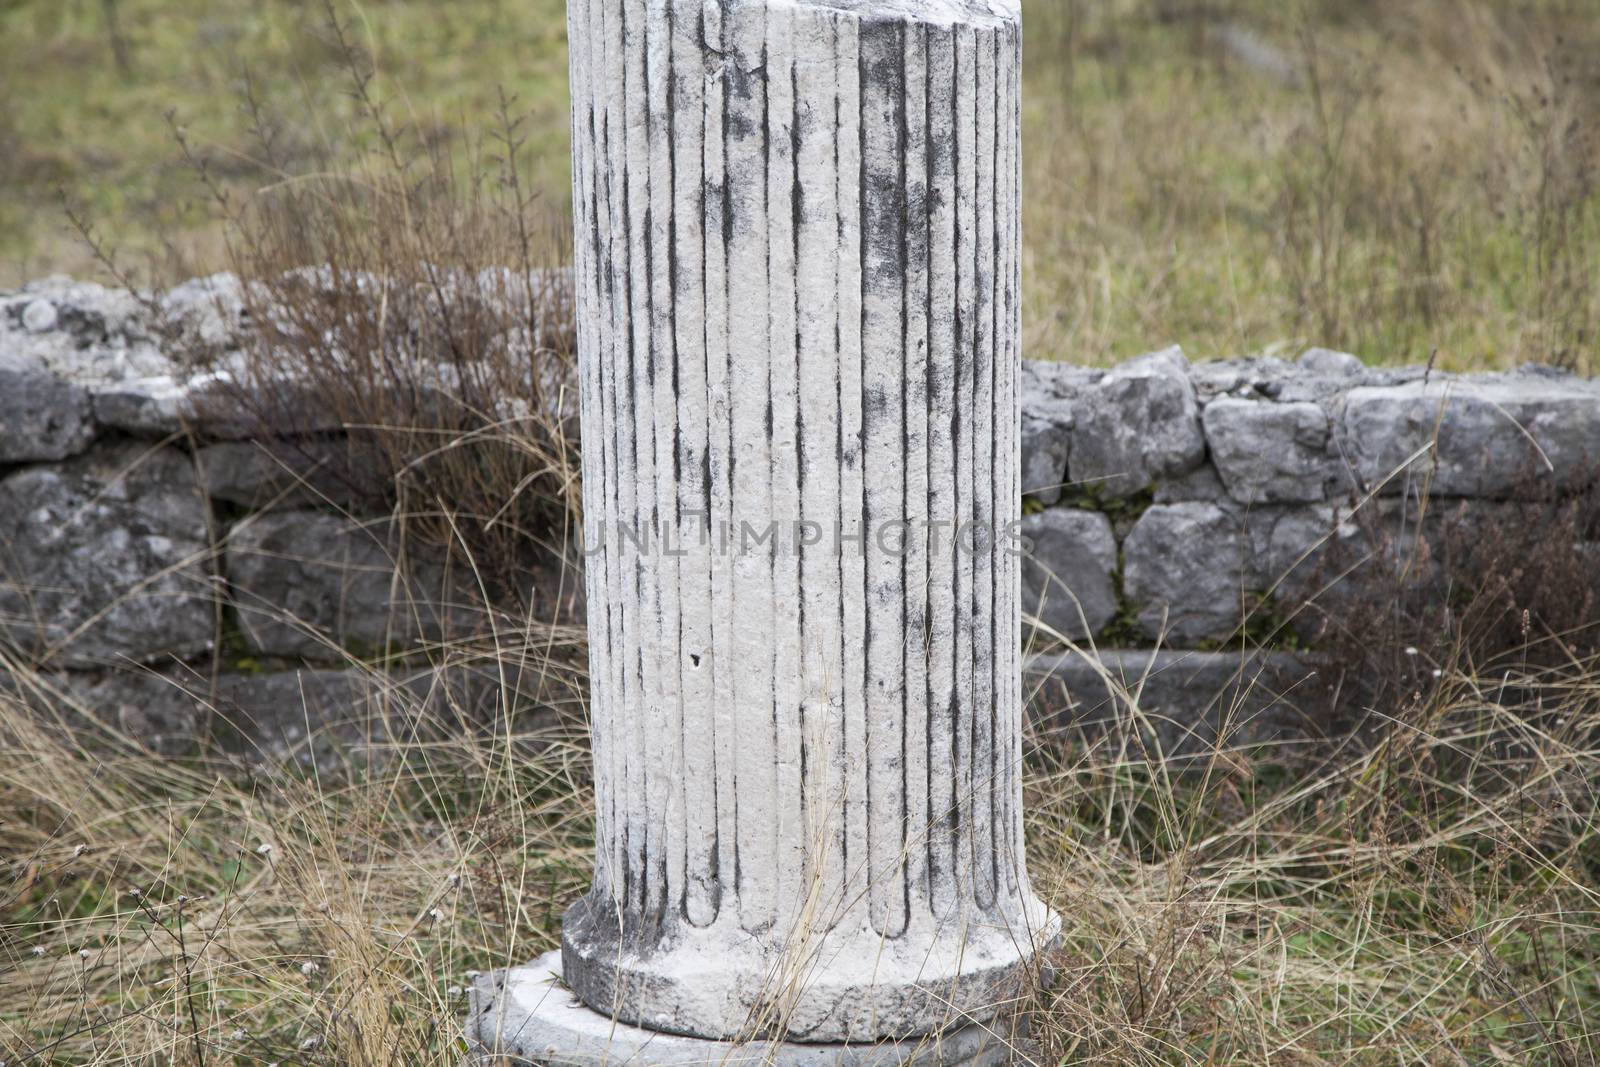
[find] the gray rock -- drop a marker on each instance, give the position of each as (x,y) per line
(1050,396)
(1046,441)
(102,559)
(39,316)
(1327,362)
(1068,578)
(1510,435)
(253,475)
(1201,483)
(1186,568)
(1270,453)
(205,317)
(1136,425)
(1188,702)
(120,708)
(42,415)
(319,586)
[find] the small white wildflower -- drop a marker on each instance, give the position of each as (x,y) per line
(83,953)
(1411,650)
(454,879)
(135,894)
(310,1043)
(263,849)
(454,991)
(1437,673)
(309,968)
(182,899)
(237,1035)
(436,915)
(79,850)
(38,950)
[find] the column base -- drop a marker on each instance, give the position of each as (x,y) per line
(526,1016)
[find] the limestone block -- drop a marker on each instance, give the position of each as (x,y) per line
(1050,394)
(1331,363)
(1515,434)
(1267,452)
(1201,483)
(319,586)
(1138,424)
(289,474)
(1188,702)
(104,559)
(1068,580)
(1187,568)
(42,415)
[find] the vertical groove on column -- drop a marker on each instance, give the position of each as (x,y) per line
(883,390)
(665,869)
(852,564)
(983,482)
(641,425)
(611,215)
(749,379)
(588,367)
(943,503)
(718,212)
(1014,133)
(695,666)
(783,404)
(914,451)
(817,428)
(964,423)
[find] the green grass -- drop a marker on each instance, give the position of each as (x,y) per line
(73,121)
(1424,187)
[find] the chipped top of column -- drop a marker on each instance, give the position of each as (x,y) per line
(978,13)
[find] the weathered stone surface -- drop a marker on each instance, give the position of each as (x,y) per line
(1138,424)
(1050,394)
(847,353)
(528,1016)
(1188,702)
(103,559)
(115,707)
(286,475)
(1186,567)
(42,415)
(1267,452)
(322,717)
(1517,434)
(1068,580)
(206,317)
(1201,483)
(1045,445)
(322,586)
(1331,363)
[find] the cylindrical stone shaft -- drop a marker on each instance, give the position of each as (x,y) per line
(798,254)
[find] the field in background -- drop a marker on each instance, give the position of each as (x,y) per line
(1402,178)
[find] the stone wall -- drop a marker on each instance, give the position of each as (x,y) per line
(1211,508)
(165,572)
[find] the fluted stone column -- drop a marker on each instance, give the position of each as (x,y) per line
(798,254)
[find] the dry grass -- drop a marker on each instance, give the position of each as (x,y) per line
(1430,894)
(1432,897)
